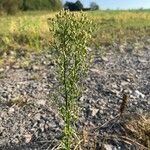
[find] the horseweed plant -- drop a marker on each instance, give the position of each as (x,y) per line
(71,31)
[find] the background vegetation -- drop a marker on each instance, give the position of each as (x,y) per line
(73,6)
(77,6)
(41,5)
(13,6)
(29,31)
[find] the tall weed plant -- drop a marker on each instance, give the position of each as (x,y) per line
(71,31)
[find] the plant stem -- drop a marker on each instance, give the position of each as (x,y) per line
(67,116)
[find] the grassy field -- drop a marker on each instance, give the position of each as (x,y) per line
(120,26)
(29,31)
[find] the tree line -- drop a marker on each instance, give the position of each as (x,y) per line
(79,6)
(12,6)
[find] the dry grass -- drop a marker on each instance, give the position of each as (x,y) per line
(138,128)
(135,132)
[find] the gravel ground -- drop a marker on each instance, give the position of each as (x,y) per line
(28,119)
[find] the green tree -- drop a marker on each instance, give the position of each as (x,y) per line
(1,7)
(11,6)
(94,6)
(77,6)
(24,5)
(69,6)
(41,5)
(56,4)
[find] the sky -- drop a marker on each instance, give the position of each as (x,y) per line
(117,4)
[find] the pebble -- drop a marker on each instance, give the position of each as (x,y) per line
(16,66)
(35,68)
(37,117)
(41,102)
(28,137)
(2,70)
(109,147)
(94,111)
(138,94)
(11,110)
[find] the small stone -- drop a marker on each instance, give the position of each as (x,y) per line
(148,40)
(139,94)
(115,92)
(61,123)
(15,140)
(52,125)
(48,56)
(101,111)
(121,48)
(94,111)
(82,98)
(140,111)
(1,129)
(89,49)
(142,60)
(3,115)
(35,68)
(104,58)
(108,147)
(12,53)
(11,110)
(37,116)
(16,66)
(41,102)
(41,126)
(4,55)
(124,83)
(7,67)
(135,103)
(132,97)
(2,70)
(129,80)
(28,138)
(145,47)
(129,49)
(22,129)
(114,86)
(44,63)
(95,71)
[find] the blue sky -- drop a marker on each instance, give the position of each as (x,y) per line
(115,4)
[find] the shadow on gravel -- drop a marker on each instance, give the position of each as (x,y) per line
(29,146)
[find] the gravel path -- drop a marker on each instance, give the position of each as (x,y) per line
(28,119)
